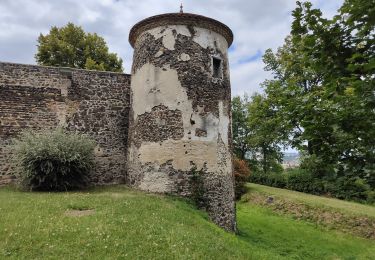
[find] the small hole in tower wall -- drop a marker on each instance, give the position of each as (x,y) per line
(216,67)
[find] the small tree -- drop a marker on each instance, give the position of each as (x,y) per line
(53,161)
(241,176)
(70,46)
(241,130)
(257,133)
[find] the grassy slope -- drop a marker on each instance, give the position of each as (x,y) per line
(341,205)
(131,224)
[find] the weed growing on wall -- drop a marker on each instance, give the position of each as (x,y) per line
(198,191)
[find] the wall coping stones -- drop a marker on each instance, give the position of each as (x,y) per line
(180,19)
(62,70)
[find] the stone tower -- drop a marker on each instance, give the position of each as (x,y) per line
(180,120)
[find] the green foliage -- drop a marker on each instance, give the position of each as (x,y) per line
(257,134)
(303,181)
(323,87)
(269,179)
(128,224)
(197,188)
(328,213)
(267,133)
(343,206)
(54,161)
(298,179)
(321,102)
(351,188)
(240,128)
(70,46)
(241,176)
(317,167)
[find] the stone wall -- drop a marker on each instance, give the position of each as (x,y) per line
(185,108)
(155,130)
(91,102)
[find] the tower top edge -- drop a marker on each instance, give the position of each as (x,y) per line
(180,19)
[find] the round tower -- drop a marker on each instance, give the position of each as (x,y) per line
(180,123)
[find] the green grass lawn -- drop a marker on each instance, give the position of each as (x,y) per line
(127,224)
(341,205)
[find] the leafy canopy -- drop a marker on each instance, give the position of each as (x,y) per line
(70,46)
(257,133)
(321,98)
(323,88)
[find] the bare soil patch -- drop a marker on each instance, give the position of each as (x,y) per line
(79,213)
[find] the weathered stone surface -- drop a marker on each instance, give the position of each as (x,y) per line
(156,131)
(173,71)
(187,19)
(158,125)
(91,102)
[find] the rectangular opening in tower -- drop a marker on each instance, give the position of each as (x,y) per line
(216,65)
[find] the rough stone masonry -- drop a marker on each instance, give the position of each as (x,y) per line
(155,129)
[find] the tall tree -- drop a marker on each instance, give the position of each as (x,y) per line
(241,130)
(257,134)
(266,134)
(323,87)
(70,46)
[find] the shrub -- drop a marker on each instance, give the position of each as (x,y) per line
(351,188)
(53,160)
(346,187)
(301,180)
(241,176)
(317,166)
(370,196)
(277,180)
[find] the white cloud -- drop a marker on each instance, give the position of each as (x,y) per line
(257,25)
(247,78)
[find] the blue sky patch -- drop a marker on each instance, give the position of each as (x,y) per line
(257,56)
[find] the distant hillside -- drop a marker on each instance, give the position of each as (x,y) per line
(291,160)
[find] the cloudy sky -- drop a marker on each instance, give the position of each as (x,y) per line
(256,24)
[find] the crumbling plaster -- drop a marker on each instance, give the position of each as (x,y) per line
(172,72)
(152,86)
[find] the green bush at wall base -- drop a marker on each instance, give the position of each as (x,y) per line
(198,190)
(53,160)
